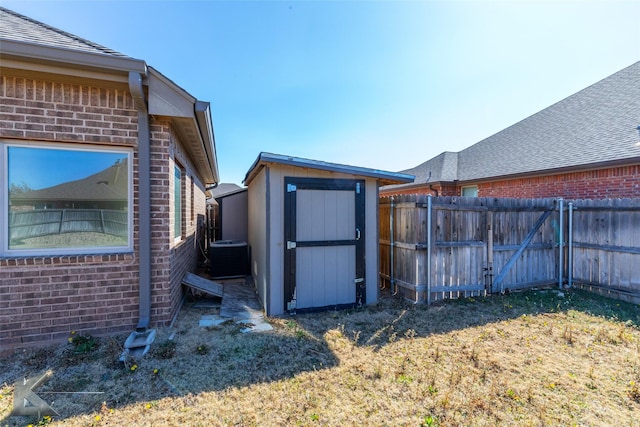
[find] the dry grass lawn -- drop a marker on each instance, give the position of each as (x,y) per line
(537,358)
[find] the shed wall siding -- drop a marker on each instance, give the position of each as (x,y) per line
(257,222)
(371,248)
(234,217)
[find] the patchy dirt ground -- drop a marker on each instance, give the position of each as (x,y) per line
(533,358)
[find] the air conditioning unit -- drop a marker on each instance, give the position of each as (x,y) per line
(229,258)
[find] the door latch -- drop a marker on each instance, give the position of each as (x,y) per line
(291,245)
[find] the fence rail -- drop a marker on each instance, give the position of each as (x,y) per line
(432,248)
(37,223)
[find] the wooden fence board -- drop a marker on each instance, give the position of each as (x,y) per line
(472,239)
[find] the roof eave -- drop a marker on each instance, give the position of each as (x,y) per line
(203,116)
(383,177)
(69,57)
(190,115)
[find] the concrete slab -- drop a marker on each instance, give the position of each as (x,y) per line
(211,320)
(255,325)
(240,300)
(240,303)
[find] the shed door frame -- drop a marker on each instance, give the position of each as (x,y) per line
(291,185)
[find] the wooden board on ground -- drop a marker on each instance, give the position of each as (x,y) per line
(203,285)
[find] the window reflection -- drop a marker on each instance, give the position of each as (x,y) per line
(60,198)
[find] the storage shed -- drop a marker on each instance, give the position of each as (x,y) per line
(230,212)
(313,232)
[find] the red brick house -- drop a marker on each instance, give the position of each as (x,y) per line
(105,169)
(586,146)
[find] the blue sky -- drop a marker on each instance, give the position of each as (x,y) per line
(385,85)
(32,166)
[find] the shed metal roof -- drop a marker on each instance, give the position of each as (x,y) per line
(384,177)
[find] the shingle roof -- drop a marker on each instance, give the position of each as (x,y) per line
(596,125)
(224,189)
(20,28)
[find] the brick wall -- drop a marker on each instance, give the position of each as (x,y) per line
(186,253)
(612,183)
(44,298)
(51,111)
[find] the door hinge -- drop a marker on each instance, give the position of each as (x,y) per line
(291,188)
(357,187)
(358,280)
(291,245)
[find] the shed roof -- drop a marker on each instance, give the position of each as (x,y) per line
(384,177)
(594,127)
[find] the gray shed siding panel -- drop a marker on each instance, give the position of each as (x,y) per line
(234,215)
(270,282)
(257,223)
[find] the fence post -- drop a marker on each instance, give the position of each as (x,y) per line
(570,248)
(560,242)
(391,250)
(489,269)
(61,221)
(429,209)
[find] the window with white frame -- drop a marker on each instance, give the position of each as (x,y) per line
(61,199)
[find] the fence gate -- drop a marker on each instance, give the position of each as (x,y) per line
(448,247)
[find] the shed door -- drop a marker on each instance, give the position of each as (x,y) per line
(324,243)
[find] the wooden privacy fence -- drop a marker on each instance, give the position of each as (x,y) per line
(44,222)
(605,247)
(432,248)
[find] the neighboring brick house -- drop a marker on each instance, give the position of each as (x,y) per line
(76,114)
(586,146)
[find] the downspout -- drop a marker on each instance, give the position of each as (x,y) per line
(144,201)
